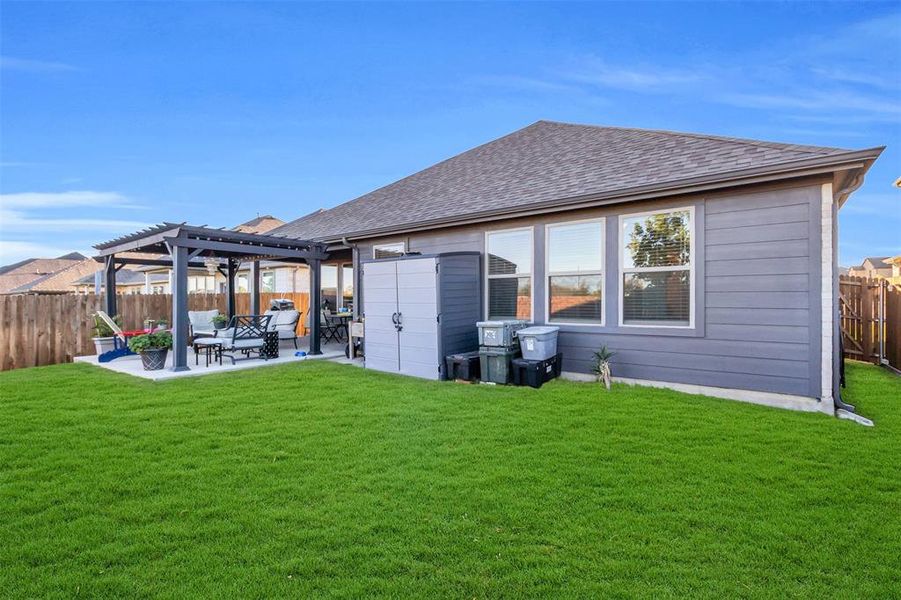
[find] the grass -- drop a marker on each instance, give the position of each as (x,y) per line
(317,479)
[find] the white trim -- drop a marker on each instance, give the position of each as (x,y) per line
(827,403)
(772,399)
(389,246)
(531,273)
(692,258)
(602,221)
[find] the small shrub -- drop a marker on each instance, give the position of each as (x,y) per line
(220,320)
(601,367)
(101,329)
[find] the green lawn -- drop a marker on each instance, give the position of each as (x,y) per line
(318,479)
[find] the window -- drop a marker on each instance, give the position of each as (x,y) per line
(509,289)
(575,272)
(347,281)
(389,250)
(329,289)
(267,281)
(657,269)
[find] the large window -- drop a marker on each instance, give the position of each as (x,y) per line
(657,262)
(389,250)
(329,289)
(509,274)
(575,272)
(347,282)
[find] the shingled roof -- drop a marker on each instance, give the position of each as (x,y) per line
(549,163)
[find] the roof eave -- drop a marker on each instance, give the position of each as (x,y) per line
(859,159)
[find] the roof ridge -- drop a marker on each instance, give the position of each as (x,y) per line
(712,137)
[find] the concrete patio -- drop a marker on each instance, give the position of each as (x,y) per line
(132,365)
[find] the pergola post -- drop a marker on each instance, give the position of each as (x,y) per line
(179,308)
(231,271)
(109,285)
(255,287)
(315,304)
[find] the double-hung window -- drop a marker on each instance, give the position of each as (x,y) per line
(509,269)
(575,272)
(657,263)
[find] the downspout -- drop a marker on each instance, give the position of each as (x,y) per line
(355,261)
(840,197)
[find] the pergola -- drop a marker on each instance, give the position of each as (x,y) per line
(189,246)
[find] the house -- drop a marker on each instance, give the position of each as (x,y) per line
(707,263)
(873,267)
(45,275)
(128,281)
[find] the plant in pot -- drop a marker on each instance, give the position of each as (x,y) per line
(153,348)
(220,321)
(104,339)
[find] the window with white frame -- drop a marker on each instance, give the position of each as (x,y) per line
(657,263)
(509,273)
(267,281)
(575,272)
(389,250)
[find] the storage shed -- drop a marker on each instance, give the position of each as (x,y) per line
(420,308)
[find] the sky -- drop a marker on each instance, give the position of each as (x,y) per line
(119,115)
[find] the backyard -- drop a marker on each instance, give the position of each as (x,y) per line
(319,479)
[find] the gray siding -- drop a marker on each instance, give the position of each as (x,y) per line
(757,293)
(459,282)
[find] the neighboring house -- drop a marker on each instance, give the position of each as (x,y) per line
(707,263)
(874,267)
(128,281)
(45,275)
(895,262)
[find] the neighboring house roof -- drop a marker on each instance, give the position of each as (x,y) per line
(877,262)
(25,275)
(550,164)
(260,224)
(59,282)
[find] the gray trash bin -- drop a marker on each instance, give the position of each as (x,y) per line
(539,342)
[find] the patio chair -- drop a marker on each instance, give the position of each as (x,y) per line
(201,323)
(245,334)
(285,323)
(328,329)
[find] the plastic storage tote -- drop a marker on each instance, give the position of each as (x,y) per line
(499,333)
(534,373)
(495,364)
(538,343)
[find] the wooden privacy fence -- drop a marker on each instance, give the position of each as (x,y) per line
(37,329)
(871,320)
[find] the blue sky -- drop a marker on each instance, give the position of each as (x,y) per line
(123,114)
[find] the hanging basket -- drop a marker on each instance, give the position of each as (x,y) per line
(154,359)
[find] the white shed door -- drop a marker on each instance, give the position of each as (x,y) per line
(379,308)
(417,302)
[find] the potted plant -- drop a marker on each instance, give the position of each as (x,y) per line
(162,323)
(153,348)
(601,367)
(104,340)
(220,321)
